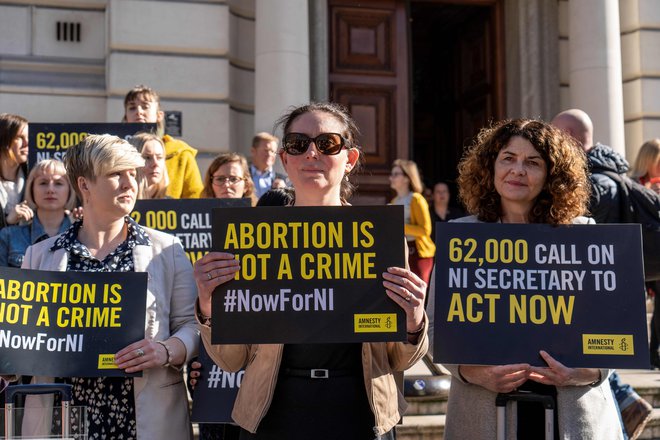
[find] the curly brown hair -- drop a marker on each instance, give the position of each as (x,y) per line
(565,193)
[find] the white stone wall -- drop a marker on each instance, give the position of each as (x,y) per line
(640,60)
(640,43)
(198,55)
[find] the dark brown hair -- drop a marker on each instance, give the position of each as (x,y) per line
(350,133)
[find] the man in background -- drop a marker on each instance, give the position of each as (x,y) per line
(263,154)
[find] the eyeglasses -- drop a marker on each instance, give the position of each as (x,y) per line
(232,180)
(396,174)
(329,144)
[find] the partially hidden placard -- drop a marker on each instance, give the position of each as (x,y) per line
(68,323)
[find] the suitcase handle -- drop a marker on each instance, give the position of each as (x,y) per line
(65,390)
(548,402)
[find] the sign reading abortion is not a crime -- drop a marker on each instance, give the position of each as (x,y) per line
(308,275)
(68,323)
(504,292)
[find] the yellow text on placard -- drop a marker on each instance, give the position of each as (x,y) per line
(375,323)
(608,344)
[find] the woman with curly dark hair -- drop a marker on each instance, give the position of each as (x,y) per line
(526,171)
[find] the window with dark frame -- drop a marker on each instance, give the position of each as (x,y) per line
(68,31)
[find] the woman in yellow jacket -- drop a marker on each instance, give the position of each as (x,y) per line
(405,180)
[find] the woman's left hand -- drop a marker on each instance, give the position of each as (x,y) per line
(141,355)
(408,290)
(559,375)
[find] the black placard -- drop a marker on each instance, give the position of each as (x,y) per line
(51,140)
(308,275)
(505,291)
(187,219)
(68,323)
(215,392)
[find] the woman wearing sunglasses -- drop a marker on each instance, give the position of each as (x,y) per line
(319,154)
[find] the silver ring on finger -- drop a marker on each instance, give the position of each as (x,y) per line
(409,297)
(209,276)
(139,352)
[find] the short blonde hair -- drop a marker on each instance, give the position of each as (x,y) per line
(411,171)
(99,155)
(647,156)
(51,166)
(138,141)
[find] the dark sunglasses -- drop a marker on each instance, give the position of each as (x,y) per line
(329,144)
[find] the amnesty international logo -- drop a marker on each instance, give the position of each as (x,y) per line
(107,362)
(608,344)
(375,323)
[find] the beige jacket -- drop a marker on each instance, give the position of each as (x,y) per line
(380,361)
(161,404)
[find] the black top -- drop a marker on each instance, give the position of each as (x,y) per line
(452,213)
(303,408)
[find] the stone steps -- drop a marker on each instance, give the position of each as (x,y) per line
(425,418)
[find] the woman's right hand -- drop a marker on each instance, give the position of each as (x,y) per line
(212,270)
(497,378)
(21,212)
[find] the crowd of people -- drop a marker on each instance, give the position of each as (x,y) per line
(74,216)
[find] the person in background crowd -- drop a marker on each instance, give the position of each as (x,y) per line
(262,155)
(50,195)
(526,171)
(13,169)
(152,177)
(647,165)
(405,180)
(272,197)
(440,209)
(604,206)
(102,169)
(228,178)
(142,104)
(276,399)
(646,171)
(276,197)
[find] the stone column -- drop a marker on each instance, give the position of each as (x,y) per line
(532,57)
(595,67)
(318,29)
(281,59)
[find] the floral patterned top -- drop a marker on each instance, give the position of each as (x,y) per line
(110,401)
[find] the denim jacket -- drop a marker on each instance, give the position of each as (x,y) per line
(14,240)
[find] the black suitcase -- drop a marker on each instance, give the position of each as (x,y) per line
(64,390)
(548,403)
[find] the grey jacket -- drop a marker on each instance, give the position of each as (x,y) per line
(161,404)
(583,412)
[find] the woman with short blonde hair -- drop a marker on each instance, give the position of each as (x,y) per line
(103,171)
